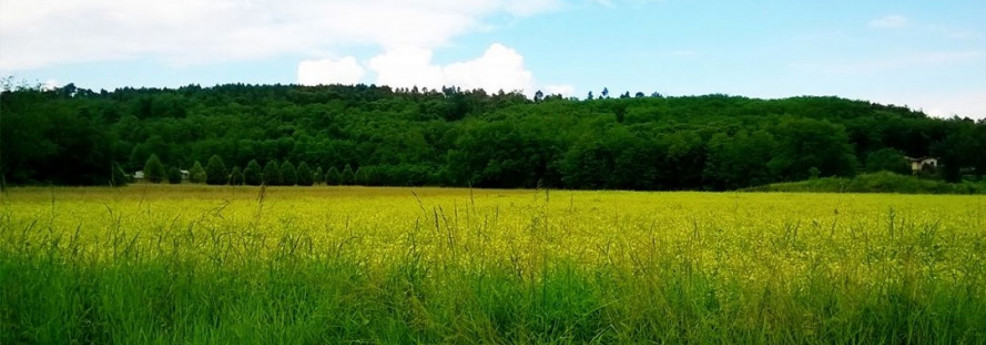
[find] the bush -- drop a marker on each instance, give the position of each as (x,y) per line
(174,175)
(879,182)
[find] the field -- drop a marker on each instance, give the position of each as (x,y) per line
(331,265)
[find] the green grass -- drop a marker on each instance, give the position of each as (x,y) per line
(319,301)
(912,281)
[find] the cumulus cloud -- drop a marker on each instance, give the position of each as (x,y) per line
(893,21)
(41,33)
(328,71)
(499,68)
(407,67)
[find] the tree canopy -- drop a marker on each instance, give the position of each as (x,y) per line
(382,136)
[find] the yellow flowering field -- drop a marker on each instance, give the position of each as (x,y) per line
(439,265)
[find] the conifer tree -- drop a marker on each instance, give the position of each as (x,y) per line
(289,175)
(196,174)
(348,176)
(319,176)
(215,171)
(305,175)
(236,176)
(333,177)
(272,174)
(253,174)
(154,170)
(118,178)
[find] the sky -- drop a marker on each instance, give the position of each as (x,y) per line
(927,55)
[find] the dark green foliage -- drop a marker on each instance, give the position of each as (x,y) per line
(887,159)
(347,176)
(305,177)
(253,174)
(319,176)
(879,182)
(154,170)
(236,176)
(289,175)
(272,174)
(333,177)
(174,175)
(472,138)
(196,174)
(803,144)
(215,171)
(739,160)
(118,177)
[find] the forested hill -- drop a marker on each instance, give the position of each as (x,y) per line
(379,136)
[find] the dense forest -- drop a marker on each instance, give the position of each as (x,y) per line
(373,135)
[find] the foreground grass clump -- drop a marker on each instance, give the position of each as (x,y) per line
(220,265)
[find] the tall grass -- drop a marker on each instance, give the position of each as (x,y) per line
(501,267)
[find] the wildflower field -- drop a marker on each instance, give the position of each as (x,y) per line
(149,264)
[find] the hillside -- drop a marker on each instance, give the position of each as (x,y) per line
(380,136)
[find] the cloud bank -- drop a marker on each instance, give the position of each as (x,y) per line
(44,33)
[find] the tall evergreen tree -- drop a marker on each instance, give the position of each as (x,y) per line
(236,176)
(253,174)
(305,175)
(215,171)
(347,176)
(333,177)
(319,176)
(289,175)
(272,174)
(196,174)
(118,177)
(154,170)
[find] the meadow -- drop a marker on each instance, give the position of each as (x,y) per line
(188,264)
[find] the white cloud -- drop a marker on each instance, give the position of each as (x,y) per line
(327,71)
(564,90)
(41,33)
(943,104)
(407,67)
(500,68)
(893,21)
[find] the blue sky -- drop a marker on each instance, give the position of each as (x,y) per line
(928,55)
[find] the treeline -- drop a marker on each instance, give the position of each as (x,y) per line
(374,135)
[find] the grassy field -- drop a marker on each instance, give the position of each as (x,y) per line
(327,265)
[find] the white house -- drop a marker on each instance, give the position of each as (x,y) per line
(921,163)
(138,175)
